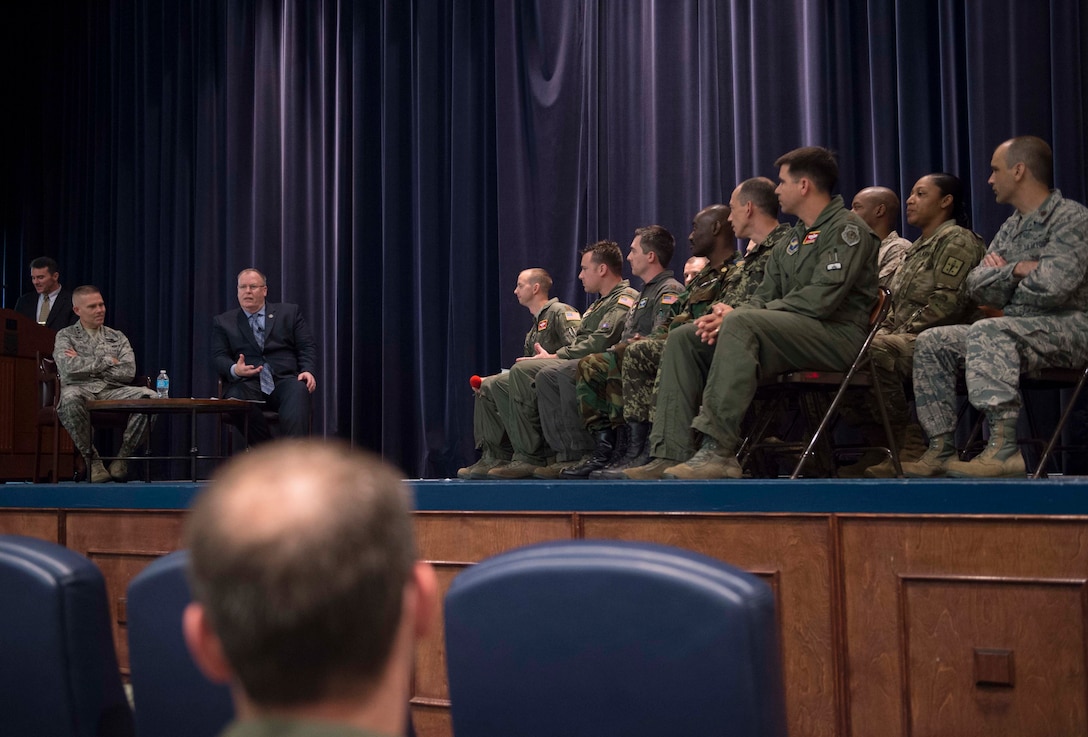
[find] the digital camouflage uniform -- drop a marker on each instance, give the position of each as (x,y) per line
(602,325)
(930,289)
(599,389)
(1044,323)
(555,326)
(810,311)
(893,249)
(91,374)
(675,391)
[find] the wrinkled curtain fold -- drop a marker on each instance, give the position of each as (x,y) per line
(393,164)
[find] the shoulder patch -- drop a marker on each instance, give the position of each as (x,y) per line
(851,235)
(669,299)
(952,266)
(542,325)
(572,315)
(626,301)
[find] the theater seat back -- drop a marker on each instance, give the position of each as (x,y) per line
(58,668)
(172,697)
(611,638)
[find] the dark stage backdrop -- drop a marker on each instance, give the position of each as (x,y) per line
(391,165)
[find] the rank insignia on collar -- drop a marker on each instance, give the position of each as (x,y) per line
(851,235)
(542,325)
(811,238)
(793,246)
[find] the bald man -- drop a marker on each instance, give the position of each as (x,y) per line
(879,208)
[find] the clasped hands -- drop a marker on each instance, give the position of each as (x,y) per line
(707,326)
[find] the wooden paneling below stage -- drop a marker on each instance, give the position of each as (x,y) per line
(893,622)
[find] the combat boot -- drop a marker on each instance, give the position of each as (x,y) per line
(513,470)
(551,471)
(480,468)
(602,454)
(1001,458)
(98,472)
(911,444)
(638,453)
(652,471)
(711,461)
(932,463)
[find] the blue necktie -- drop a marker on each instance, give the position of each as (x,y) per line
(267,382)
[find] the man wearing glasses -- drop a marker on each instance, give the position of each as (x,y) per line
(266,351)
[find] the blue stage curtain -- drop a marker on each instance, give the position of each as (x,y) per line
(392,164)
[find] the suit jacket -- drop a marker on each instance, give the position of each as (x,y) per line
(60,312)
(289,347)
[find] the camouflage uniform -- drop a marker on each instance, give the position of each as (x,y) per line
(811,311)
(893,250)
(91,374)
(555,326)
(599,390)
(929,289)
(602,325)
(1045,321)
(676,390)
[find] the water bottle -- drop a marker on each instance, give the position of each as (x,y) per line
(162,385)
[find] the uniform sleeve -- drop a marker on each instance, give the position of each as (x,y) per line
(608,332)
(838,268)
(890,259)
(667,303)
(947,303)
(1063,262)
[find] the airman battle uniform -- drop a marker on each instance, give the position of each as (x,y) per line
(1045,323)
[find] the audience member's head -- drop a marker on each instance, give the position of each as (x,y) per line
(693,266)
(533,285)
(936,198)
(659,241)
(878,207)
(814,163)
(601,265)
(308,595)
(753,204)
(1022,172)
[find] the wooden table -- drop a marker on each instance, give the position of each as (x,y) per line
(179,406)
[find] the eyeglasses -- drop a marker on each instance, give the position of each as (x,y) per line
(250,287)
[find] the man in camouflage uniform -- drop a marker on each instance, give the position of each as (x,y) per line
(660,387)
(555,325)
(879,207)
(651,251)
(929,289)
(1035,271)
(96,362)
(810,311)
(602,324)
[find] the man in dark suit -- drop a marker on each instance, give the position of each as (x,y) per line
(266,351)
(49,304)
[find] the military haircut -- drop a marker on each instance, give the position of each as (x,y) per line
(607,253)
(950,184)
(660,241)
(1035,154)
(815,163)
(44,262)
(300,553)
(85,290)
(539,276)
(760,192)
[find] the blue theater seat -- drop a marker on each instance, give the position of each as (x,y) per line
(58,669)
(172,697)
(591,638)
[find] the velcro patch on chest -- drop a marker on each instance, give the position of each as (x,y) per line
(642,302)
(542,325)
(811,238)
(793,247)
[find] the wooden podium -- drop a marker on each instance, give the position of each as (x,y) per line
(21,339)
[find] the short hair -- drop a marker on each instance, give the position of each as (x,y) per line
(85,289)
(258,272)
(1035,154)
(659,240)
(607,253)
(814,162)
(541,277)
(760,192)
(950,184)
(44,262)
(306,603)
